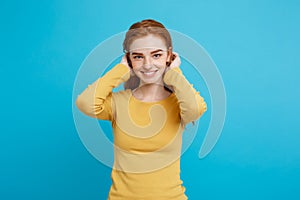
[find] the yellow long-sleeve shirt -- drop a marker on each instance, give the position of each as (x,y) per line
(147,135)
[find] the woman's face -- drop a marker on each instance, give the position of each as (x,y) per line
(148,56)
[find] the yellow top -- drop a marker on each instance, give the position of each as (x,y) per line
(147,135)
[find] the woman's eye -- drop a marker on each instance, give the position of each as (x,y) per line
(137,57)
(157,55)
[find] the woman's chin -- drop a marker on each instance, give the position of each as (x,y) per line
(151,81)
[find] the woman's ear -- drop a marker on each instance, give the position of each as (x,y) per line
(128,60)
(170,56)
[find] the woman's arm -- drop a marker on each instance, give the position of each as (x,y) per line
(96,100)
(191,104)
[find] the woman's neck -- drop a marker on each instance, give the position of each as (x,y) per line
(151,92)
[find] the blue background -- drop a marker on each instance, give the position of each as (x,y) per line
(255,45)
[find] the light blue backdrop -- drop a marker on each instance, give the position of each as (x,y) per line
(255,45)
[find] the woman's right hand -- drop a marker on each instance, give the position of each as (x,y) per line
(176,62)
(125,62)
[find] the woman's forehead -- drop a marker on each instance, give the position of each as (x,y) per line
(148,42)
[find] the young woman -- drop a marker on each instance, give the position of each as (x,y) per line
(148,117)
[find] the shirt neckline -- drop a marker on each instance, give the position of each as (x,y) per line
(150,102)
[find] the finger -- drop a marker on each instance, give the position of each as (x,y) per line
(175,53)
(124,59)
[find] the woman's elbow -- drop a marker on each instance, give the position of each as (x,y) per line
(84,106)
(202,108)
(90,108)
(79,103)
(197,111)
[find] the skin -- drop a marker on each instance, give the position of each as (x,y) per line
(149,56)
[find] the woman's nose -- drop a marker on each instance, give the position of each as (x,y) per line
(147,61)
(147,66)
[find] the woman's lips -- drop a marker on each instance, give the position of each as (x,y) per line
(149,73)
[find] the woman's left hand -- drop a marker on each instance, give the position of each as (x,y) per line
(175,62)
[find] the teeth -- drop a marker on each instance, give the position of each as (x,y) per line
(149,73)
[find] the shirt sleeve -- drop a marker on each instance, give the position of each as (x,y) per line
(191,104)
(96,100)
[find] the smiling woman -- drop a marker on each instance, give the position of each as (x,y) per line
(148,117)
(149,65)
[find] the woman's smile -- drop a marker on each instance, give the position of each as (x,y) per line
(149,56)
(149,74)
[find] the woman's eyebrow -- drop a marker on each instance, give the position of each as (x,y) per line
(152,52)
(158,50)
(136,53)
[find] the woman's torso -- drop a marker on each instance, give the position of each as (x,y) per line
(147,139)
